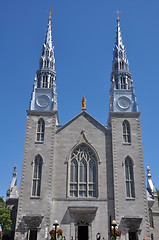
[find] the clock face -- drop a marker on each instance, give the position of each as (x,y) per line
(124,103)
(42,101)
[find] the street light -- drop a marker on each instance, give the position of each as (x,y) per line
(114,226)
(55,225)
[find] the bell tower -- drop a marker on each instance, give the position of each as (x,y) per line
(122,92)
(44,95)
(35,197)
(130,199)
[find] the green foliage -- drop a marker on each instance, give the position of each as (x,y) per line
(5,221)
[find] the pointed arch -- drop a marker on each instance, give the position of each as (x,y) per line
(37,173)
(45,81)
(47,52)
(83,170)
(129,177)
(40,130)
(126,132)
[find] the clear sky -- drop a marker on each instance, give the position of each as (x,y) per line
(84,37)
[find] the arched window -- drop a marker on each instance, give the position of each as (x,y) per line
(44,83)
(40,130)
(120,54)
(126,132)
(51,82)
(37,171)
(51,64)
(45,64)
(123,83)
(129,175)
(83,172)
(47,52)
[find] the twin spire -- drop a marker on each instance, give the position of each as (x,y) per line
(122,93)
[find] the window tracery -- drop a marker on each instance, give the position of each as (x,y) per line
(37,171)
(126,132)
(129,174)
(40,130)
(83,172)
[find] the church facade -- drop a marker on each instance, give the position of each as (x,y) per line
(84,174)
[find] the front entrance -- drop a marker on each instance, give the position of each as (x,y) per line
(33,235)
(133,236)
(82,232)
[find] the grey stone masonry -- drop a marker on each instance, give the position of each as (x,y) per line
(29,207)
(129,208)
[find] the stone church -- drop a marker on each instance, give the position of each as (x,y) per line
(84,174)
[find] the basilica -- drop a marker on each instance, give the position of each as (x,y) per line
(102,192)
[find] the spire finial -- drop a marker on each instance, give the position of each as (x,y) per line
(83,103)
(117,12)
(50,11)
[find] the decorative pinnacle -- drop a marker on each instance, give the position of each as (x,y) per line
(117,12)
(83,103)
(50,11)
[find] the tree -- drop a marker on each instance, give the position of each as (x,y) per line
(5,221)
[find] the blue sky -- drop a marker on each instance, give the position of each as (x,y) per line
(84,37)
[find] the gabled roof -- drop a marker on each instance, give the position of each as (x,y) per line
(89,118)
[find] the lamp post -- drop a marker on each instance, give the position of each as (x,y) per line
(55,225)
(114,228)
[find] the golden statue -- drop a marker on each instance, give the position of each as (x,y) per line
(117,12)
(50,11)
(83,103)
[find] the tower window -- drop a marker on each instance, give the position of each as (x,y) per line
(123,83)
(51,64)
(51,54)
(51,82)
(47,52)
(121,65)
(46,63)
(44,83)
(126,132)
(120,54)
(83,172)
(40,130)
(37,170)
(129,174)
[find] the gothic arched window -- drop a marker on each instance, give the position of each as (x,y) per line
(40,130)
(45,64)
(123,83)
(83,172)
(47,52)
(126,132)
(37,172)
(129,175)
(44,83)
(120,54)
